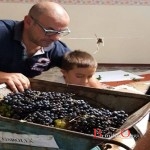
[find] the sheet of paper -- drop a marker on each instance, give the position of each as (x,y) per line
(117,75)
(40,141)
(128,89)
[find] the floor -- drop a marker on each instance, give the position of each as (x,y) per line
(143,143)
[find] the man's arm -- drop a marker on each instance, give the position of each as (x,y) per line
(144,142)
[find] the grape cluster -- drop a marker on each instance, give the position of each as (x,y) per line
(60,110)
(104,120)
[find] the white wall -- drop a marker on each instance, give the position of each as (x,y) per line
(125,30)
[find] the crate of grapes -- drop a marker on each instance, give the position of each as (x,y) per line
(55,116)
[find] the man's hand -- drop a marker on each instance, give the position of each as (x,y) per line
(15,81)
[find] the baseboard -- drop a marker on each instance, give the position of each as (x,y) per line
(123,65)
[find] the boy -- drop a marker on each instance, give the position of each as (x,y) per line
(78,67)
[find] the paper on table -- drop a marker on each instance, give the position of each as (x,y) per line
(117,75)
(126,88)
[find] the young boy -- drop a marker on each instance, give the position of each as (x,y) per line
(78,67)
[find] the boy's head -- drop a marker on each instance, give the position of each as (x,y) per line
(78,67)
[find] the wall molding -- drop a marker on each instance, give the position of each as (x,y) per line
(87,2)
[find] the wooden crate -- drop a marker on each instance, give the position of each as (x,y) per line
(137,106)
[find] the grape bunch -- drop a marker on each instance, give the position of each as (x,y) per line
(60,110)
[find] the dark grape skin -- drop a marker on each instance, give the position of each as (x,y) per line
(47,107)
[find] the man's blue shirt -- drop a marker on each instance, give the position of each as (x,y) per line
(12,52)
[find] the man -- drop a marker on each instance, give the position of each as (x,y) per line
(29,47)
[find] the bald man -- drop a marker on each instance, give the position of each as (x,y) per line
(31,46)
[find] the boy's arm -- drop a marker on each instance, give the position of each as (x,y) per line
(93,82)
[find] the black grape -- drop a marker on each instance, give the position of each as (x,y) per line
(61,110)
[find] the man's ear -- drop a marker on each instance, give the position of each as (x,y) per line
(27,20)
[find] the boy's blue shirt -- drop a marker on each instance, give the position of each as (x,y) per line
(12,52)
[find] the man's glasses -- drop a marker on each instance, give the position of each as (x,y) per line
(52,32)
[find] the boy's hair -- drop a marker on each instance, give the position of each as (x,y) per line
(78,58)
